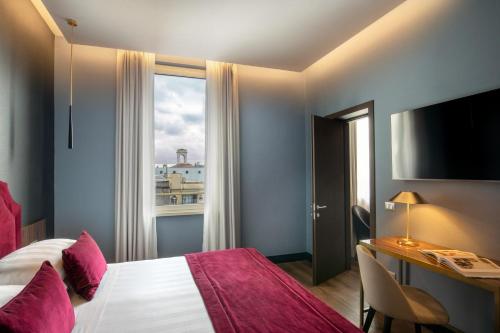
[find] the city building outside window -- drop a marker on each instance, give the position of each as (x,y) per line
(179,143)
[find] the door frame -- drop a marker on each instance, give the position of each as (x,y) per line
(347,115)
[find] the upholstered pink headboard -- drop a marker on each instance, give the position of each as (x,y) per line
(10,221)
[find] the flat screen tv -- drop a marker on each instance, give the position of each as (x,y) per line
(458,139)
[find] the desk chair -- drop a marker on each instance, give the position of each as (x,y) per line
(361,222)
(384,294)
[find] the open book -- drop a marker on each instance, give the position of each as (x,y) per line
(465,263)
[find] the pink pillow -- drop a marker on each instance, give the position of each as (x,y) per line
(7,230)
(84,265)
(42,306)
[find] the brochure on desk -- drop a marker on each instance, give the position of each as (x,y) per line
(465,263)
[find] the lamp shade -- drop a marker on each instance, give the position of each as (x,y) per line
(412,198)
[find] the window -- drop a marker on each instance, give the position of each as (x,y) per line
(179,141)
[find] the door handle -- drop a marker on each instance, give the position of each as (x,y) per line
(315,208)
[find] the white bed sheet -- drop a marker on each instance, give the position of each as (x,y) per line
(144,296)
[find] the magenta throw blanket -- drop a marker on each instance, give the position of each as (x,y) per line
(244,292)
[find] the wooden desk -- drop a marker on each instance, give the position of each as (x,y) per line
(411,255)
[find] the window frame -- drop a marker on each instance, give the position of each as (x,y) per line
(187,71)
(193,72)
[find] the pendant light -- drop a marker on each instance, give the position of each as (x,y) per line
(72,23)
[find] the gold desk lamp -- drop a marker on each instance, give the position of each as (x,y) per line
(408,198)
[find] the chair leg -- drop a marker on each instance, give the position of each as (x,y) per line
(369,319)
(418,328)
(387,324)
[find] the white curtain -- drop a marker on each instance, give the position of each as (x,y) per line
(363,163)
(353,181)
(359,156)
(135,225)
(221,228)
(353,164)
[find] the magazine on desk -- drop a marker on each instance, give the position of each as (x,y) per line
(466,263)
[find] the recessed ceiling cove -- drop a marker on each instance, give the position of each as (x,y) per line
(285,34)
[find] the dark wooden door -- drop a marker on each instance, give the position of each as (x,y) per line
(329,223)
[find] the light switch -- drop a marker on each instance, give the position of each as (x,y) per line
(389,205)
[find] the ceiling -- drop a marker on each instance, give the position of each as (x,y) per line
(285,34)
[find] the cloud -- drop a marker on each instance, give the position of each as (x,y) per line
(195,118)
(179,118)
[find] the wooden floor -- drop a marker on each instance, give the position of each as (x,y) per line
(342,294)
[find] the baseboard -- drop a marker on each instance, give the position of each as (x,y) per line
(290,257)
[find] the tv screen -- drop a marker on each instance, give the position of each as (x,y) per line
(458,139)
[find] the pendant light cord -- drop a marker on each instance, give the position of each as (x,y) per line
(73,24)
(71,67)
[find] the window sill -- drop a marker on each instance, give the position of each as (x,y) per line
(180,210)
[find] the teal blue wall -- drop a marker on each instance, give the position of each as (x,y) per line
(85,177)
(272,160)
(432,52)
(272,153)
(27,109)
(178,235)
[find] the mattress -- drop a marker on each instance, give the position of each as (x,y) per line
(144,296)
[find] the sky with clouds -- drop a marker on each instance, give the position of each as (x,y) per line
(179,118)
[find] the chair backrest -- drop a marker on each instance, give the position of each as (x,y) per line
(382,291)
(361,222)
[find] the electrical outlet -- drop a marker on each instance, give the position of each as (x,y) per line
(389,205)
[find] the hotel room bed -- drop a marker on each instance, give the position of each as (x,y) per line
(228,291)
(144,296)
(222,291)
